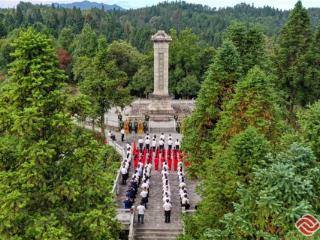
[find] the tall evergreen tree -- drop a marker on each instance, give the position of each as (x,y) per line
(294,43)
(217,87)
(225,171)
(250,43)
(255,103)
(85,43)
(54,178)
(278,195)
(310,127)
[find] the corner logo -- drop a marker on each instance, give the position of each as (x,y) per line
(308,225)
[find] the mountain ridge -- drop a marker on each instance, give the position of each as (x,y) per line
(83,5)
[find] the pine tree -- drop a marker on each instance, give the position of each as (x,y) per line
(255,103)
(294,43)
(276,198)
(250,43)
(312,85)
(225,171)
(310,126)
(54,178)
(85,43)
(217,88)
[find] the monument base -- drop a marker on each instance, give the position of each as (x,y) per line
(160,106)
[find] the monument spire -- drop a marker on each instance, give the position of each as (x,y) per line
(160,101)
(161,42)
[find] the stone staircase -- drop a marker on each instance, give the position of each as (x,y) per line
(154,226)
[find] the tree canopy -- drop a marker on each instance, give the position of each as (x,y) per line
(55,179)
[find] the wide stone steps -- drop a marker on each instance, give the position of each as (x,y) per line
(154,226)
(165,234)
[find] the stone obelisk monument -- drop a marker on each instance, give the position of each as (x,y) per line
(160,100)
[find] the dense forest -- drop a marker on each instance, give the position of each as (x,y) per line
(127,35)
(253,138)
(252,141)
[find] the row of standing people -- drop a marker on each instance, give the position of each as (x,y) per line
(147,143)
(145,186)
(166,193)
(133,185)
(184,199)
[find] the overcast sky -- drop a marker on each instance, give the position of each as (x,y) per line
(283,4)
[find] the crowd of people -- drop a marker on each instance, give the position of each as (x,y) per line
(164,153)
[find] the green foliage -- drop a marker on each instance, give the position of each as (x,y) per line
(249,41)
(104,83)
(66,38)
(294,43)
(126,57)
(255,103)
(55,180)
(142,82)
(310,127)
(185,66)
(217,87)
(228,169)
(277,197)
(85,44)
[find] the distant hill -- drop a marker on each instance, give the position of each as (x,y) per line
(88,5)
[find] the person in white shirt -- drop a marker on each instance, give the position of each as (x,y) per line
(185,202)
(177,144)
(147,136)
(126,164)
(154,144)
(162,137)
(122,134)
(164,171)
(147,144)
(170,142)
(124,173)
(182,184)
(140,141)
(161,144)
(144,197)
(145,184)
(166,197)
(167,211)
(149,167)
(128,147)
(109,134)
(141,209)
(181,191)
(169,137)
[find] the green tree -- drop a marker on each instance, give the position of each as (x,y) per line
(66,38)
(55,183)
(126,57)
(312,91)
(104,84)
(142,82)
(250,43)
(255,103)
(225,171)
(277,197)
(217,88)
(294,43)
(186,62)
(85,43)
(310,127)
